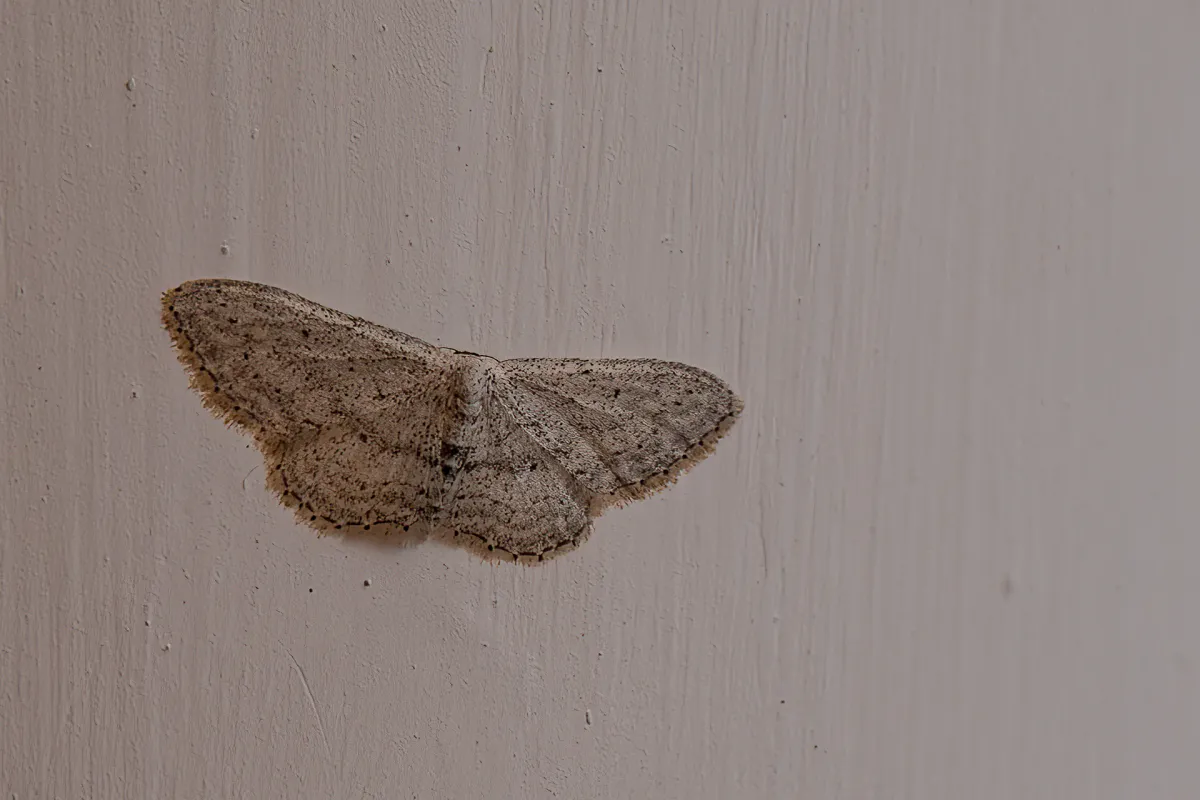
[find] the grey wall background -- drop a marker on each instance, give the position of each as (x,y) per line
(946,251)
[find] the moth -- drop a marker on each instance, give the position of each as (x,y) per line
(364,428)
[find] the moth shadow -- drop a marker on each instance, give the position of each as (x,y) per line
(377,538)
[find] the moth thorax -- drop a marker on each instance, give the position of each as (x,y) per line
(478,377)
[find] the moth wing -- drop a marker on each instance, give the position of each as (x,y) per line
(508,496)
(622,427)
(350,416)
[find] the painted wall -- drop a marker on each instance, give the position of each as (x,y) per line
(948,253)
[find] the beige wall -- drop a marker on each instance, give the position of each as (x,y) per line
(949,253)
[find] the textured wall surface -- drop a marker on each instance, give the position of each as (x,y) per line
(948,253)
